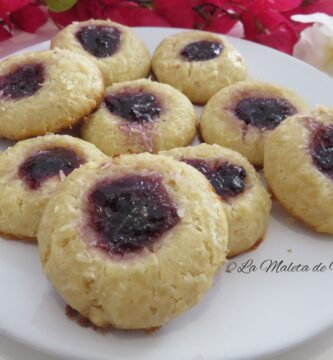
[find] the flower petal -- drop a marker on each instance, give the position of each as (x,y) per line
(4,34)
(12,5)
(221,24)
(315,47)
(283,5)
(310,7)
(178,14)
(29,18)
(82,10)
(282,38)
(134,16)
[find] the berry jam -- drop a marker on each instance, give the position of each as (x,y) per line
(264,112)
(47,163)
(99,41)
(227,179)
(130,213)
(322,149)
(201,50)
(139,107)
(24,81)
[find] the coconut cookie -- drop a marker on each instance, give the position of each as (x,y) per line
(242,115)
(198,63)
(141,116)
(45,92)
(30,172)
(114,48)
(247,203)
(299,167)
(133,242)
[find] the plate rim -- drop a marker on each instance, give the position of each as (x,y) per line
(58,352)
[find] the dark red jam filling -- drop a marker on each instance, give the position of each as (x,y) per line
(46,164)
(322,149)
(201,50)
(227,179)
(100,41)
(264,112)
(24,81)
(130,213)
(138,107)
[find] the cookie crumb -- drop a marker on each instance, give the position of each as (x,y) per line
(62,176)
(290,220)
(152,330)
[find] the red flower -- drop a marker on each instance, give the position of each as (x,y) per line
(265,21)
(282,5)
(268,26)
(312,6)
(217,15)
(25,14)
(135,16)
(124,12)
(178,14)
(82,10)
(29,18)
(282,38)
(4,34)
(7,6)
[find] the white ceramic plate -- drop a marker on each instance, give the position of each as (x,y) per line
(243,316)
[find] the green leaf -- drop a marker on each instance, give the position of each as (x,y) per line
(60,5)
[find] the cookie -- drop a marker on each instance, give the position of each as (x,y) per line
(298,165)
(242,115)
(141,116)
(30,172)
(198,63)
(45,92)
(114,48)
(133,242)
(247,203)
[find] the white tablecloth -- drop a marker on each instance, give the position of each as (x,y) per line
(317,349)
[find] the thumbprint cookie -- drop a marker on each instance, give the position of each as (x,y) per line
(242,115)
(141,116)
(247,203)
(298,165)
(45,92)
(198,63)
(134,241)
(30,171)
(114,48)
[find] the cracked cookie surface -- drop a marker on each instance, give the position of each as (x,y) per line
(198,63)
(114,48)
(30,172)
(141,116)
(246,201)
(241,116)
(46,92)
(184,240)
(298,167)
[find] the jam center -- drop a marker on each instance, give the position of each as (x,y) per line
(140,107)
(322,149)
(201,50)
(100,41)
(227,179)
(24,81)
(46,164)
(264,112)
(130,213)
